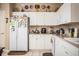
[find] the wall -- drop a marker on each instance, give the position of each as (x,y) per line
(75,12)
(6,8)
(0,6)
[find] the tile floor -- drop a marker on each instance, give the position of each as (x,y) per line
(30,53)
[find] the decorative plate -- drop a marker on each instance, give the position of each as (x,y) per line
(48,7)
(43,6)
(26,7)
(37,6)
(31,6)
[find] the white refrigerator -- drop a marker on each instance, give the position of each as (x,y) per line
(19,33)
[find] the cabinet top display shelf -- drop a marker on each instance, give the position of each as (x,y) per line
(66,14)
(54,25)
(41,25)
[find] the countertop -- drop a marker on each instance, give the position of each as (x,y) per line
(39,34)
(72,42)
(65,38)
(69,40)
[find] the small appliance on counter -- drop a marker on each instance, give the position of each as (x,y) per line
(71,32)
(52,32)
(74,32)
(36,31)
(43,30)
(57,32)
(62,31)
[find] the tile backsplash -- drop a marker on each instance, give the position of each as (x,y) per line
(33,29)
(53,29)
(66,27)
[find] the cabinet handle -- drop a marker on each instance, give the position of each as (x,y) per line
(51,40)
(66,52)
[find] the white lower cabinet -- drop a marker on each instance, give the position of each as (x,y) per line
(32,44)
(35,42)
(70,49)
(58,47)
(47,42)
(63,48)
(39,41)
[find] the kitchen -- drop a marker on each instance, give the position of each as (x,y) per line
(51,29)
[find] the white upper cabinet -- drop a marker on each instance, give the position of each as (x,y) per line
(50,18)
(42,18)
(64,14)
(68,13)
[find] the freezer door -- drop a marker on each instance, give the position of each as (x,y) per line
(12,41)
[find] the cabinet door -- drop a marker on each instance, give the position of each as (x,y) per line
(49,18)
(32,42)
(36,42)
(47,42)
(58,47)
(59,16)
(33,18)
(42,18)
(64,13)
(70,49)
(58,50)
(63,48)
(40,43)
(36,18)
